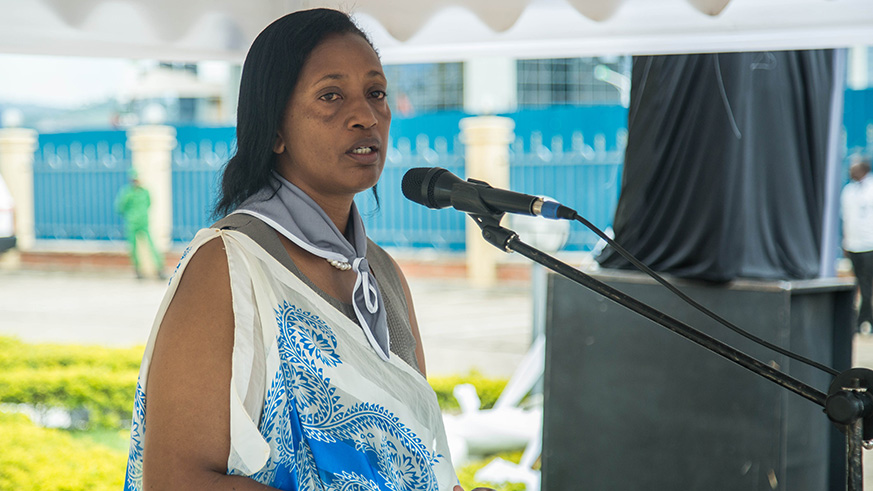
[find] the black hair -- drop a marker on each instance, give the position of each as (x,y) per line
(269,76)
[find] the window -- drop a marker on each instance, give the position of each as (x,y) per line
(570,81)
(424,88)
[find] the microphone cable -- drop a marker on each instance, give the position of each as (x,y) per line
(412,190)
(642,267)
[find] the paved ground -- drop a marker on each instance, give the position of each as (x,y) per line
(462,328)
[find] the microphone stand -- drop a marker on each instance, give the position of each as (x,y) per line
(848,403)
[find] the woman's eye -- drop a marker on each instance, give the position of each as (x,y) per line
(378,94)
(330,97)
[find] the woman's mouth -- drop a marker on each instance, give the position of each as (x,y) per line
(364,154)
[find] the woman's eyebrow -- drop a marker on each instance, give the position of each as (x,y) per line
(331,76)
(342,76)
(377,74)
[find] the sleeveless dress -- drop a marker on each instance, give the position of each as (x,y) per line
(312,405)
(402,342)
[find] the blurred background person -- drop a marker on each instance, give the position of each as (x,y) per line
(857,212)
(7,218)
(132,203)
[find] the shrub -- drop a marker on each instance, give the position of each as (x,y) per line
(106,395)
(15,354)
(467,473)
(102,380)
(97,379)
(45,459)
(489,389)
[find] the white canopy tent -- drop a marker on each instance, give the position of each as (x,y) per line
(437,30)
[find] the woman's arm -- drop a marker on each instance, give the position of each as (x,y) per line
(187,438)
(413,321)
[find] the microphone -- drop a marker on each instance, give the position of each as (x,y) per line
(437,188)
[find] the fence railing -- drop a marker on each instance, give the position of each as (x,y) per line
(197,162)
(75,179)
(584,178)
(77,176)
(398,222)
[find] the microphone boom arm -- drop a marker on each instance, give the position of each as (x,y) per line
(848,403)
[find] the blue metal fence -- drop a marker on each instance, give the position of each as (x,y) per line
(573,154)
(197,162)
(76,177)
(584,178)
(398,222)
(858,120)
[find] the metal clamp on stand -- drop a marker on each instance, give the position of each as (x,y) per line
(849,405)
(469,199)
(492,232)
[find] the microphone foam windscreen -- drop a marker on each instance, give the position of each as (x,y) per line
(411,184)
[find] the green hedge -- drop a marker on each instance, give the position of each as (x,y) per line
(15,354)
(106,395)
(98,379)
(36,458)
(489,389)
(102,380)
(467,473)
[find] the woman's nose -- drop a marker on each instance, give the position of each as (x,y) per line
(362,114)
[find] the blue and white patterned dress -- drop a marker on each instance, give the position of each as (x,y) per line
(320,410)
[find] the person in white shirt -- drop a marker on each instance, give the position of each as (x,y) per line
(857,212)
(7,218)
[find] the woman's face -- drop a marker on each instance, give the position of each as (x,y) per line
(332,139)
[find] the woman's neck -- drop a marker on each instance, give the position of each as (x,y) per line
(336,206)
(338,211)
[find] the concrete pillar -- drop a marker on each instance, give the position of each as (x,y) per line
(151,149)
(858,76)
(17,146)
(490,85)
(487,140)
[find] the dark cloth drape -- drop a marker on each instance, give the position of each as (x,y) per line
(724,174)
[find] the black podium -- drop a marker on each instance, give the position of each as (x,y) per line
(631,406)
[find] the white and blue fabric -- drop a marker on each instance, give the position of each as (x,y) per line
(292,213)
(312,405)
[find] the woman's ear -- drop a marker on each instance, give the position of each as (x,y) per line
(278,144)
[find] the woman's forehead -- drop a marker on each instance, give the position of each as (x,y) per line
(341,56)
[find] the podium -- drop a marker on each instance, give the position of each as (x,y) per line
(630,405)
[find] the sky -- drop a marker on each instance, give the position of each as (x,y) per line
(71,82)
(62,81)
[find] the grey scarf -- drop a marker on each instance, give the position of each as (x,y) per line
(296,216)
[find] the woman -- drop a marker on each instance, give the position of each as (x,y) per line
(286,353)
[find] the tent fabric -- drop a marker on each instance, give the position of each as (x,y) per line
(437,30)
(725,168)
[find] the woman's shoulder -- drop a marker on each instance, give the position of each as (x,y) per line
(240,221)
(206,263)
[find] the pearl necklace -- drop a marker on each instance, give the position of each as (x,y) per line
(340,265)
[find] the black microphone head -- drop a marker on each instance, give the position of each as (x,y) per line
(420,185)
(411,185)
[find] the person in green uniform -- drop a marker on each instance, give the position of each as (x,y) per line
(132,203)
